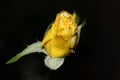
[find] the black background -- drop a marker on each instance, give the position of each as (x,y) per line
(97,56)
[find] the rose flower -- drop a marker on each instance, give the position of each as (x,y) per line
(61,38)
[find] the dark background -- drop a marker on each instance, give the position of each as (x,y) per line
(97,56)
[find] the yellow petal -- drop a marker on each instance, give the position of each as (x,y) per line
(59,39)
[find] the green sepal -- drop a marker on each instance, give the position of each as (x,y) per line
(34,47)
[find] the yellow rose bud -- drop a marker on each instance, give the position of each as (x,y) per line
(61,38)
